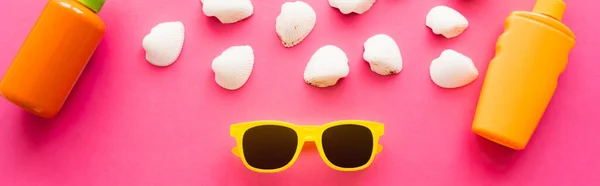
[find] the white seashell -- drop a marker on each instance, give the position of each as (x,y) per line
(228,11)
(296,20)
(446,21)
(326,67)
(349,6)
(164,43)
(383,55)
(233,67)
(452,70)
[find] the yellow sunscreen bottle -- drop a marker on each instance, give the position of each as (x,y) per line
(530,56)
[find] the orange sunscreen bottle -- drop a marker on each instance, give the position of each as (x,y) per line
(530,56)
(53,56)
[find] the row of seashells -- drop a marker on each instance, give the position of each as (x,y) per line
(329,63)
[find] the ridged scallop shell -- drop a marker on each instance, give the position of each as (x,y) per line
(446,21)
(233,67)
(295,21)
(228,11)
(326,67)
(164,43)
(349,6)
(452,70)
(383,55)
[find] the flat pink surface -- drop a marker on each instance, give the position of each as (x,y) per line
(130,123)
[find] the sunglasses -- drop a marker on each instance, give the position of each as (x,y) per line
(274,146)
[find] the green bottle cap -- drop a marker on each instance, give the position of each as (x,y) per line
(94,5)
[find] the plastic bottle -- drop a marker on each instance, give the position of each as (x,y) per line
(53,56)
(521,79)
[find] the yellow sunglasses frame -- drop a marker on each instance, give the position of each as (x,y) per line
(306,134)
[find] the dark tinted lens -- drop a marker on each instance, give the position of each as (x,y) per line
(269,146)
(348,146)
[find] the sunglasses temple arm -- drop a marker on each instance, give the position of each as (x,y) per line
(379,149)
(236,151)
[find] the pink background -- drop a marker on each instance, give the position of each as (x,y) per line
(130,123)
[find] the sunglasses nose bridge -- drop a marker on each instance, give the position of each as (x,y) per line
(309,138)
(311,133)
